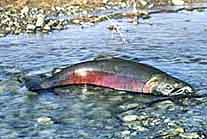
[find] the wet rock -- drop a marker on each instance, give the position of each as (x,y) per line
(25,10)
(9,86)
(31,95)
(17,31)
(2,34)
(136,125)
(129,106)
(189,135)
(125,133)
(178,2)
(46,28)
(31,28)
(179,130)
(76,21)
(130,118)
(172,132)
(83,134)
(166,105)
(59,27)
(45,120)
(40,20)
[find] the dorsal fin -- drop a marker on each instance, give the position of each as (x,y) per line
(103,57)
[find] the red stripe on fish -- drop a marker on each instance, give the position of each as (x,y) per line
(104,79)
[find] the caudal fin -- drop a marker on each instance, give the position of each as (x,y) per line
(33,83)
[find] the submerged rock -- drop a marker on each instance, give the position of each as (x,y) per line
(45,120)
(31,95)
(130,118)
(125,132)
(166,105)
(192,135)
(9,86)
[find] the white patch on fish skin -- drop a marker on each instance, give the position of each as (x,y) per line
(45,85)
(57,70)
(83,71)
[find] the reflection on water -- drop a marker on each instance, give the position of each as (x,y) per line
(172,42)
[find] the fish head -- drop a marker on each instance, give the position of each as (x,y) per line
(169,86)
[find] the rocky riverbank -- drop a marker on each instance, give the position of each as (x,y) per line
(15,20)
(32,17)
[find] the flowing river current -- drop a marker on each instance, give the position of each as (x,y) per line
(172,42)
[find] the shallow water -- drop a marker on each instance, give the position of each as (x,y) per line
(172,42)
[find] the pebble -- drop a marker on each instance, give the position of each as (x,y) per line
(9,86)
(2,34)
(46,28)
(129,106)
(59,27)
(179,130)
(40,20)
(31,94)
(76,21)
(140,128)
(166,105)
(25,10)
(31,28)
(189,135)
(178,2)
(45,120)
(125,133)
(130,118)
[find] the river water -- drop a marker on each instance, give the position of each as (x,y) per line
(172,42)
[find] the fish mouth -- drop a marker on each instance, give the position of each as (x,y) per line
(186,90)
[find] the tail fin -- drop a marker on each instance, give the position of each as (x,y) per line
(33,83)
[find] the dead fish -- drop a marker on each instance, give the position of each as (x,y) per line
(114,73)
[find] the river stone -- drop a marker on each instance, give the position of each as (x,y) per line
(83,134)
(2,34)
(179,130)
(9,86)
(31,27)
(125,133)
(40,20)
(130,118)
(129,106)
(17,31)
(76,21)
(31,94)
(189,135)
(178,2)
(166,105)
(45,120)
(59,27)
(25,10)
(46,28)
(142,3)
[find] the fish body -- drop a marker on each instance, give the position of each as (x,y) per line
(115,73)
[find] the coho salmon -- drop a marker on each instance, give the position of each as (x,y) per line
(114,73)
